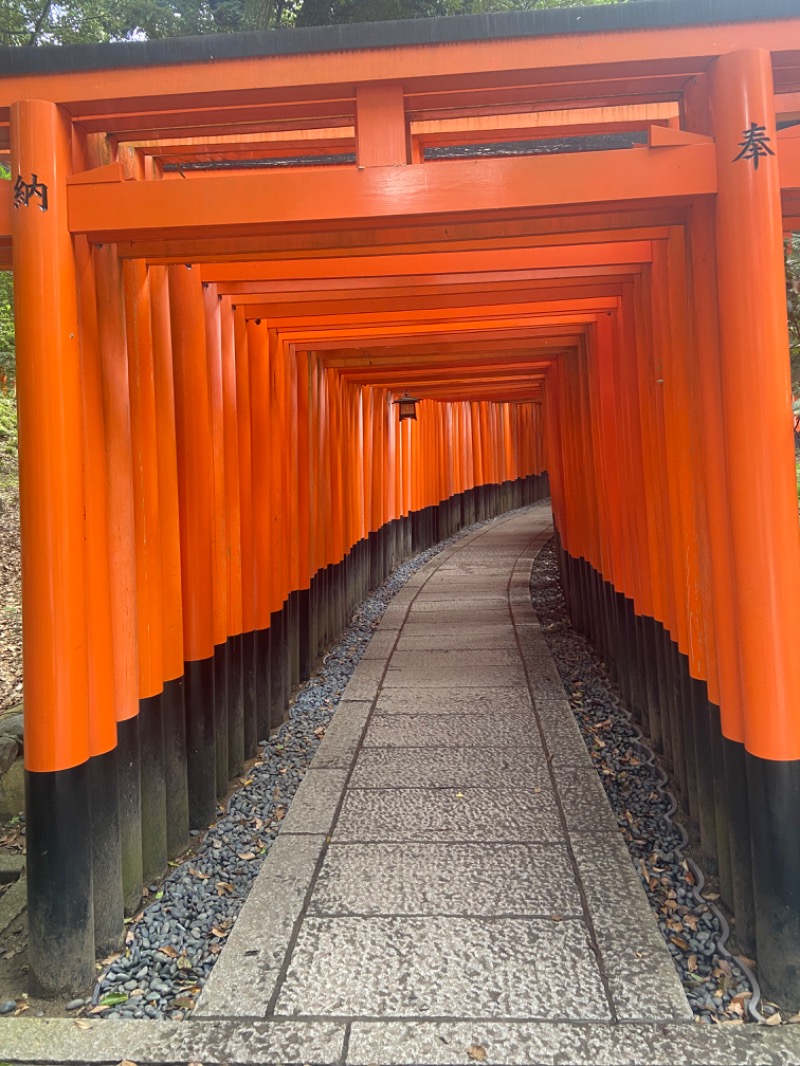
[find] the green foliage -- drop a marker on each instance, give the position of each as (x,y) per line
(35,22)
(792,250)
(8,426)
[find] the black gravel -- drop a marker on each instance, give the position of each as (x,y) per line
(718,987)
(171,947)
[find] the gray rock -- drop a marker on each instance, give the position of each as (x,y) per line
(12,725)
(8,753)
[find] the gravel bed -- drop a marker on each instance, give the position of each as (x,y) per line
(718,986)
(173,944)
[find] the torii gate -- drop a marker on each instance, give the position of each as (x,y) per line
(232,253)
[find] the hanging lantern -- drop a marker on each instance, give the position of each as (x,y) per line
(407,406)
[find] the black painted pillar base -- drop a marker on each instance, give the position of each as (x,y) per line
(263,665)
(736,800)
(704,762)
(109,907)
(221,717)
(774,793)
(279,661)
(293,609)
(154,791)
(201,742)
(306,661)
(234,653)
(249,698)
(130,811)
(59,874)
(175,766)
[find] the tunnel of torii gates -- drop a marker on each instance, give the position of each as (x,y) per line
(232,254)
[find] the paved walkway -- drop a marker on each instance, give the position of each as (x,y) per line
(449,885)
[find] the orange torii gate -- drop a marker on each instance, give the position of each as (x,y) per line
(232,254)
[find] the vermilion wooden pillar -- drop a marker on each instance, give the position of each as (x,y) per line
(196,501)
(762,495)
(147,525)
(173,700)
(50,405)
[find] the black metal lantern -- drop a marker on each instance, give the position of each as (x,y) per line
(407,406)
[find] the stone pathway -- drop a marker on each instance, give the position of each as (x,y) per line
(449,885)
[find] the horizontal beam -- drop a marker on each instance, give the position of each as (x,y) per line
(232,204)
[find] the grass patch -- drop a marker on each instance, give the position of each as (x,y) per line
(9,477)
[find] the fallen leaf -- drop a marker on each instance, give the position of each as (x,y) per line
(183,1003)
(126,1062)
(679,942)
(691,963)
(477,1053)
(774,1019)
(22,1008)
(794,1019)
(751,963)
(169,950)
(536,790)
(218,932)
(247,855)
(113,999)
(556,917)
(184,963)
(280,814)
(81,1023)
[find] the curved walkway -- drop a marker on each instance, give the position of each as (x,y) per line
(449,885)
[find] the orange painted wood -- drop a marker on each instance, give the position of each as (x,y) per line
(168,493)
(195,455)
(51,447)
(146,503)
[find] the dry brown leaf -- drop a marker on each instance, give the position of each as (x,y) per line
(218,932)
(247,855)
(691,963)
(477,1052)
(774,1019)
(751,963)
(679,942)
(170,950)
(126,1062)
(793,1019)
(81,1023)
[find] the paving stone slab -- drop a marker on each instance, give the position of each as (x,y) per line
(583,799)
(471,607)
(453,658)
(452,639)
(314,805)
(434,672)
(381,645)
(450,768)
(450,731)
(443,967)
(233,1043)
(422,1043)
(246,973)
(455,700)
(469,814)
(561,732)
(342,736)
(427,879)
(644,982)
